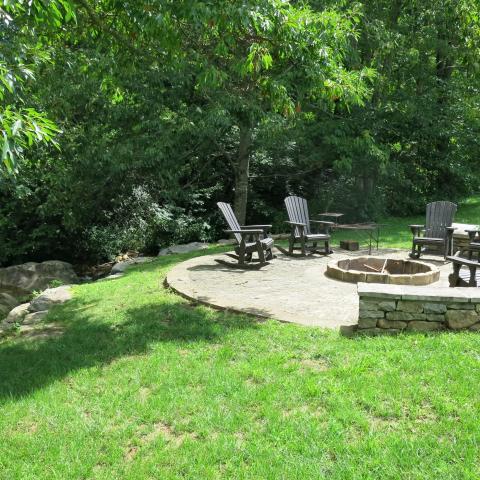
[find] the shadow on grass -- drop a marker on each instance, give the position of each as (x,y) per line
(98,339)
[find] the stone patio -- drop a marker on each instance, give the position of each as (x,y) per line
(288,289)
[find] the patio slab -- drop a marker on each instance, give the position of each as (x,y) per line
(288,289)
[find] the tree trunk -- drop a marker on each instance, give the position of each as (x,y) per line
(241,173)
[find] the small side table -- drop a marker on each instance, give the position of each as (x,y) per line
(331,215)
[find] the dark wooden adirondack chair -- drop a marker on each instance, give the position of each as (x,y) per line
(250,238)
(301,232)
(437,231)
(464,265)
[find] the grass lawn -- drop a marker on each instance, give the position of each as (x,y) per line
(142,385)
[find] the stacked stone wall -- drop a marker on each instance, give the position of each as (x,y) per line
(394,309)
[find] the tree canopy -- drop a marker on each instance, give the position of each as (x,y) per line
(160,109)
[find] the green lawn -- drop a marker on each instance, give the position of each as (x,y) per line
(143,385)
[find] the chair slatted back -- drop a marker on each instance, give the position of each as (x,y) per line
(231,219)
(297,209)
(439,216)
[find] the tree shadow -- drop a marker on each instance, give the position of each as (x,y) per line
(92,340)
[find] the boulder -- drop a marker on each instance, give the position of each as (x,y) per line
(17,314)
(188,247)
(227,241)
(50,297)
(34,317)
(120,267)
(32,276)
(7,302)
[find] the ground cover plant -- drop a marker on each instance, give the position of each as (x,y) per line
(142,384)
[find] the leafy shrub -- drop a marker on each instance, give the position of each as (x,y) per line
(140,223)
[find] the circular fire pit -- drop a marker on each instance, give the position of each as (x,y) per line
(383,270)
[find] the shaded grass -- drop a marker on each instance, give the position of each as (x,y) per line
(144,385)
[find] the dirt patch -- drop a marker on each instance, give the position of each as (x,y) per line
(143,394)
(159,430)
(319,364)
(383,423)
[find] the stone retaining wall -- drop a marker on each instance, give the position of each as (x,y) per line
(395,308)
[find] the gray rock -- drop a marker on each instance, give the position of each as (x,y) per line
(32,276)
(120,267)
(385,305)
(50,297)
(111,277)
(4,309)
(18,313)
(458,319)
(475,328)
(411,307)
(405,316)
(371,314)
(188,247)
(419,326)
(434,308)
(435,317)
(8,300)
(396,324)
(367,323)
(365,305)
(34,317)
(477,307)
(227,241)
(461,306)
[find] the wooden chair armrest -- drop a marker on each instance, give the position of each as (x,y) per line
(464,261)
(246,231)
(323,222)
(263,227)
(296,224)
(416,229)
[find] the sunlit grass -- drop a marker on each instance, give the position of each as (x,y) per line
(144,385)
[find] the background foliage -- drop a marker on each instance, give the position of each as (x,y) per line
(371,108)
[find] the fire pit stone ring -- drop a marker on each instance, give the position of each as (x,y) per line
(383,270)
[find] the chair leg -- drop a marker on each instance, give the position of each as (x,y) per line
(453,277)
(261,253)
(291,243)
(472,281)
(413,253)
(303,247)
(241,254)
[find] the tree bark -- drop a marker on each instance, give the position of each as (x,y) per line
(241,173)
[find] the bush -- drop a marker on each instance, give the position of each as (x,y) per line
(139,223)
